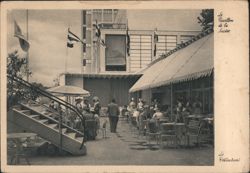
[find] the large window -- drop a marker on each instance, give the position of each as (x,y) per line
(97,14)
(140,51)
(115,54)
(165,44)
(185,38)
(107,15)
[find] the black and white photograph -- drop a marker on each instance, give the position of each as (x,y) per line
(111,86)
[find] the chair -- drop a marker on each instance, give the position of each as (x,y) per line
(152,131)
(168,133)
(193,130)
(142,127)
(133,124)
(103,129)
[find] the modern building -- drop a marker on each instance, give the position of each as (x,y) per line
(114,53)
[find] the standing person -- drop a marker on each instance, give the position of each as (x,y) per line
(113,112)
(79,106)
(140,105)
(97,106)
(197,106)
(132,105)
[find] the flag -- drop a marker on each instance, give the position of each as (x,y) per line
(156,36)
(72,38)
(155,50)
(156,39)
(97,29)
(102,43)
(84,62)
(18,33)
(128,42)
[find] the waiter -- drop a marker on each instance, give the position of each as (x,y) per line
(113,112)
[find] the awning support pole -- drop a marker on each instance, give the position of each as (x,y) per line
(171,104)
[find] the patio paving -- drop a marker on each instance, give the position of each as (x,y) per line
(125,148)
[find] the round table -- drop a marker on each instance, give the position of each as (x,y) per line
(19,139)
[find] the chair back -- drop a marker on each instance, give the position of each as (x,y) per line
(193,126)
(104,124)
(167,129)
(152,127)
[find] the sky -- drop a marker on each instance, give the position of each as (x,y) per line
(47,33)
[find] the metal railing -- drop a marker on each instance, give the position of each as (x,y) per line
(55,99)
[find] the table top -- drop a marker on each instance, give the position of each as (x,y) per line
(208,119)
(20,135)
(173,123)
(195,116)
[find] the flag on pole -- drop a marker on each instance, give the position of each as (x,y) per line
(72,38)
(84,62)
(103,43)
(97,29)
(156,39)
(128,41)
(18,33)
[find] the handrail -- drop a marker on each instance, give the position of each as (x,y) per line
(52,97)
(56,121)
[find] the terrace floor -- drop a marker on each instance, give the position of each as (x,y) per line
(125,148)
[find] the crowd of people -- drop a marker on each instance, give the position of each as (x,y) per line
(155,112)
(140,111)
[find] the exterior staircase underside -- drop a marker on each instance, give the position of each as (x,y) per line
(41,120)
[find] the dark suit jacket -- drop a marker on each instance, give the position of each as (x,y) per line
(113,109)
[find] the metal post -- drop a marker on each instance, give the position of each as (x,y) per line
(60,130)
(27,28)
(171,101)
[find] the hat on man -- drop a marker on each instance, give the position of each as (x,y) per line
(78,99)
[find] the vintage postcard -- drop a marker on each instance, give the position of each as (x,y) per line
(125,86)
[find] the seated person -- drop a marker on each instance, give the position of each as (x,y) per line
(158,114)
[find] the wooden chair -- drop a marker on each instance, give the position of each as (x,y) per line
(193,130)
(168,134)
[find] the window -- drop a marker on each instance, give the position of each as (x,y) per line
(115,54)
(107,15)
(140,51)
(165,44)
(97,15)
(185,38)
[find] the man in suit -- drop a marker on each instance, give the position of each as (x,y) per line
(113,112)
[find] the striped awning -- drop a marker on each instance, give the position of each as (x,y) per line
(191,62)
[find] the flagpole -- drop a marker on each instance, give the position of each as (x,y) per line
(27,28)
(66,58)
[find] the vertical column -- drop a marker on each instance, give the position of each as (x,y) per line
(178,39)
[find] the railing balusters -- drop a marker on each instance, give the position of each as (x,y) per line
(56,99)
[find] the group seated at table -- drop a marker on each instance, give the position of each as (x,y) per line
(182,115)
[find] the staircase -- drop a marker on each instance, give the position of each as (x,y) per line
(47,123)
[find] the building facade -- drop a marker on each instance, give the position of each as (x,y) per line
(118,53)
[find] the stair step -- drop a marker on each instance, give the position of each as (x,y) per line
(52,125)
(27,112)
(72,135)
(44,121)
(17,107)
(64,130)
(35,116)
(79,139)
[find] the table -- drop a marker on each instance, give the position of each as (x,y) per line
(164,120)
(19,139)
